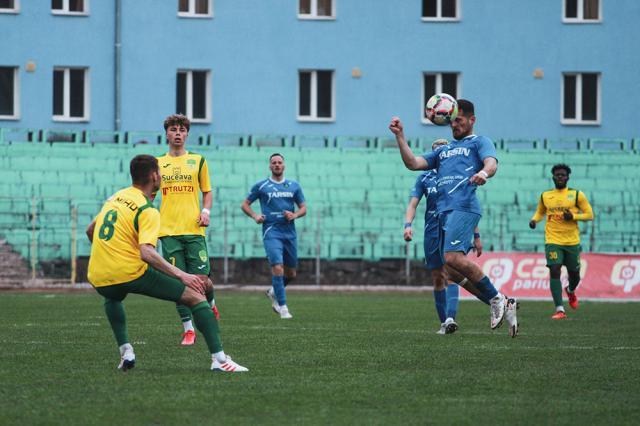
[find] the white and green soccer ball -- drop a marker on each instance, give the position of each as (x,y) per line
(441,109)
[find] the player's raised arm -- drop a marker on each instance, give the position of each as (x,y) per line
(411,162)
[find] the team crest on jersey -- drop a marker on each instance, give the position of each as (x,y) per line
(191,163)
(176,171)
(203,255)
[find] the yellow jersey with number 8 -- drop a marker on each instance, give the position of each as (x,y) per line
(126,220)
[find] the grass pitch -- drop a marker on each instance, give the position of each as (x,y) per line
(343,359)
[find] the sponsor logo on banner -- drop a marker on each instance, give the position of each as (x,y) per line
(626,273)
(498,270)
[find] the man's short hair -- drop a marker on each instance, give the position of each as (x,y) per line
(177,120)
(438,143)
(141,167)
(276,154)
(560,167)
(467,107)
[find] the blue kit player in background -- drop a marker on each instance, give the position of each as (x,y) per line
(445,296)
(278,198)
(463,164)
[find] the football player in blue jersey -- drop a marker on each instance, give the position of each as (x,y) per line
(465,163)
(445,296)
(278,198)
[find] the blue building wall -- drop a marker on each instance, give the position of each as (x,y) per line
(254,50)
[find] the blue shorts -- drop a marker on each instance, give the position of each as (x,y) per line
(456,230)
(282,251)
(432,255)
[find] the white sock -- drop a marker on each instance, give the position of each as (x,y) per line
(559,308)
(219,356)
(125,347)
(188,325)
(463,282)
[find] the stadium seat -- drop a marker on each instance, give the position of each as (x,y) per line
(107,137)
(306,141)
(274,141)
(349,142)
(522,145)
(607,145)
(55,136)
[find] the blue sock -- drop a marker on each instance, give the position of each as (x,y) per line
(440,297)
(486,288)
(277,282)
(453,294)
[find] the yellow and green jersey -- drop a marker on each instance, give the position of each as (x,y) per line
(553,204)
(183,178)
(127,220)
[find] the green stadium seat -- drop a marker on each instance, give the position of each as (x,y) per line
(608,145)
(145,138)
(522,145)
(306,141)
(107,137)
(18,136)
(274,141)
(350,142)
(230,140)
(55,136)
(565,144)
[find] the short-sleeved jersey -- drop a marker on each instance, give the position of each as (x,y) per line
(553,204)
(126,220)
(275,198)
(183,178)
(426,185)
(456,162)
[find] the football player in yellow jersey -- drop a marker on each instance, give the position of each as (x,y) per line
(184,176)
(124,260)
(563,207)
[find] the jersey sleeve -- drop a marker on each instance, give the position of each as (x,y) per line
(203,176)
(417,190)
(254,192)
(298,196)
(432,159)
(148,226)
(586,212)
(540,211)
(486,148)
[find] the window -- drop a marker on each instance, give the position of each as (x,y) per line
(71,94)
(70,7)
(316,9)
(440,10)
(192,95)
(432,83)
(9,93)
(315,95)
(582,11)
(581,98)
(9,6)
(195,8)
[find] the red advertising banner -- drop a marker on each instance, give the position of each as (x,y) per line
(525,275)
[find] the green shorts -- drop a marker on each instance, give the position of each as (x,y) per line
(152,283)
(568,256)
(187,252)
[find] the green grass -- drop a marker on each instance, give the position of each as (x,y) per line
(343,359)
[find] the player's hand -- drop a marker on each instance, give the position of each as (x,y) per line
(532,224)
(396,126)
(259,218)
(477,245)
(479,178)
(408,234)
(289,215)
(196,282)
(567,215)
(204,219)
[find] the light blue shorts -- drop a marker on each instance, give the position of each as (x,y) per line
(456,230)
(282,251)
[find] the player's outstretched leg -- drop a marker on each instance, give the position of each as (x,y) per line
(440,301)
(118,321)
(453,297)
(277,282)
(271,295)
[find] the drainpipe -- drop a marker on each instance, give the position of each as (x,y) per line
(117,65)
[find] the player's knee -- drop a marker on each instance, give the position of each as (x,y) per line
(554,271)
(190,297)
(277,270)
(452,258)
(439,279)
(289,273)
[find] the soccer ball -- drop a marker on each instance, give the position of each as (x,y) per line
(441,109)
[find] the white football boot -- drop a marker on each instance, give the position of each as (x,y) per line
(127,358)
(497,310)
(228,366)
(284,312)
(274,303)
(442,330)
(512,315)
(450,326)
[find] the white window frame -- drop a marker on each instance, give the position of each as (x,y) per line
(16,95)
(314,12)
(16,8)
(440,18)
(65,9)
(578,120)
(191,12)
(189,94)
(580,18)
(438,75)
(313,114)
(66,107)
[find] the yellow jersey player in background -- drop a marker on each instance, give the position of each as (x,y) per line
(182,232)
(563,207)
(124,260)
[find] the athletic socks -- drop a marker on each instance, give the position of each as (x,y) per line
(573,283)
(208,326)
(117,319)
(184,312)
(453,296)
(277,282)
(487,289)
(440,298)
(188,325)
(556,291)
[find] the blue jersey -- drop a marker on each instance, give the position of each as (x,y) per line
(456,162)
(275,198)
(426,185)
